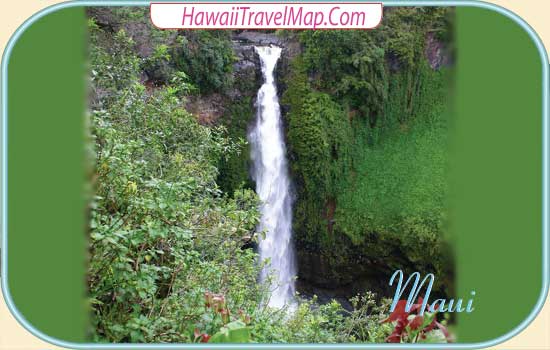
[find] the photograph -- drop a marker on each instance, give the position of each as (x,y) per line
(265,186)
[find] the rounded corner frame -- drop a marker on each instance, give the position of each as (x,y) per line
(390,3)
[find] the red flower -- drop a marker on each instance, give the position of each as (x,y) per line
(203,337)
(393,338)
(416,322)
(400,313)
(404,324)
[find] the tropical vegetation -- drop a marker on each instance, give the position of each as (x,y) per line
(173,214)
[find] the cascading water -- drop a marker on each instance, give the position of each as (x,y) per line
(270,171)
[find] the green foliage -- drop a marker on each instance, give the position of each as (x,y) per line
(157,65)
(328,323)
(162,232)
(405,28)
(319,144)
(367,141)
(349,65)
(402,177)
(234,332)
(114,66)
(234,168)
(208,58)
(205,56)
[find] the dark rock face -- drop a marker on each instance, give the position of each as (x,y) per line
(244,42)
(247,68)
(436,53)
(331,275)
(259,38)
(247,79)
(104,17)
(139,29)
(207,108)
(246,57)
(340,280)
(336,277)
(247,71)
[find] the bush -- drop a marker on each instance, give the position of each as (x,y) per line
(207,56)
(161,231)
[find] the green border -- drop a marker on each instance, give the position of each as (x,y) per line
(46,152)
(39,334)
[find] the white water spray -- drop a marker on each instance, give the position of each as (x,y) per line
(270,171)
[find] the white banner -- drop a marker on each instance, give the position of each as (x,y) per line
(247,15)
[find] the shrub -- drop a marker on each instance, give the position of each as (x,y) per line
(207,56)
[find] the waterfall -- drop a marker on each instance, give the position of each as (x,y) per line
(270,171)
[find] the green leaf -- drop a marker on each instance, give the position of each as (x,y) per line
(233,332)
